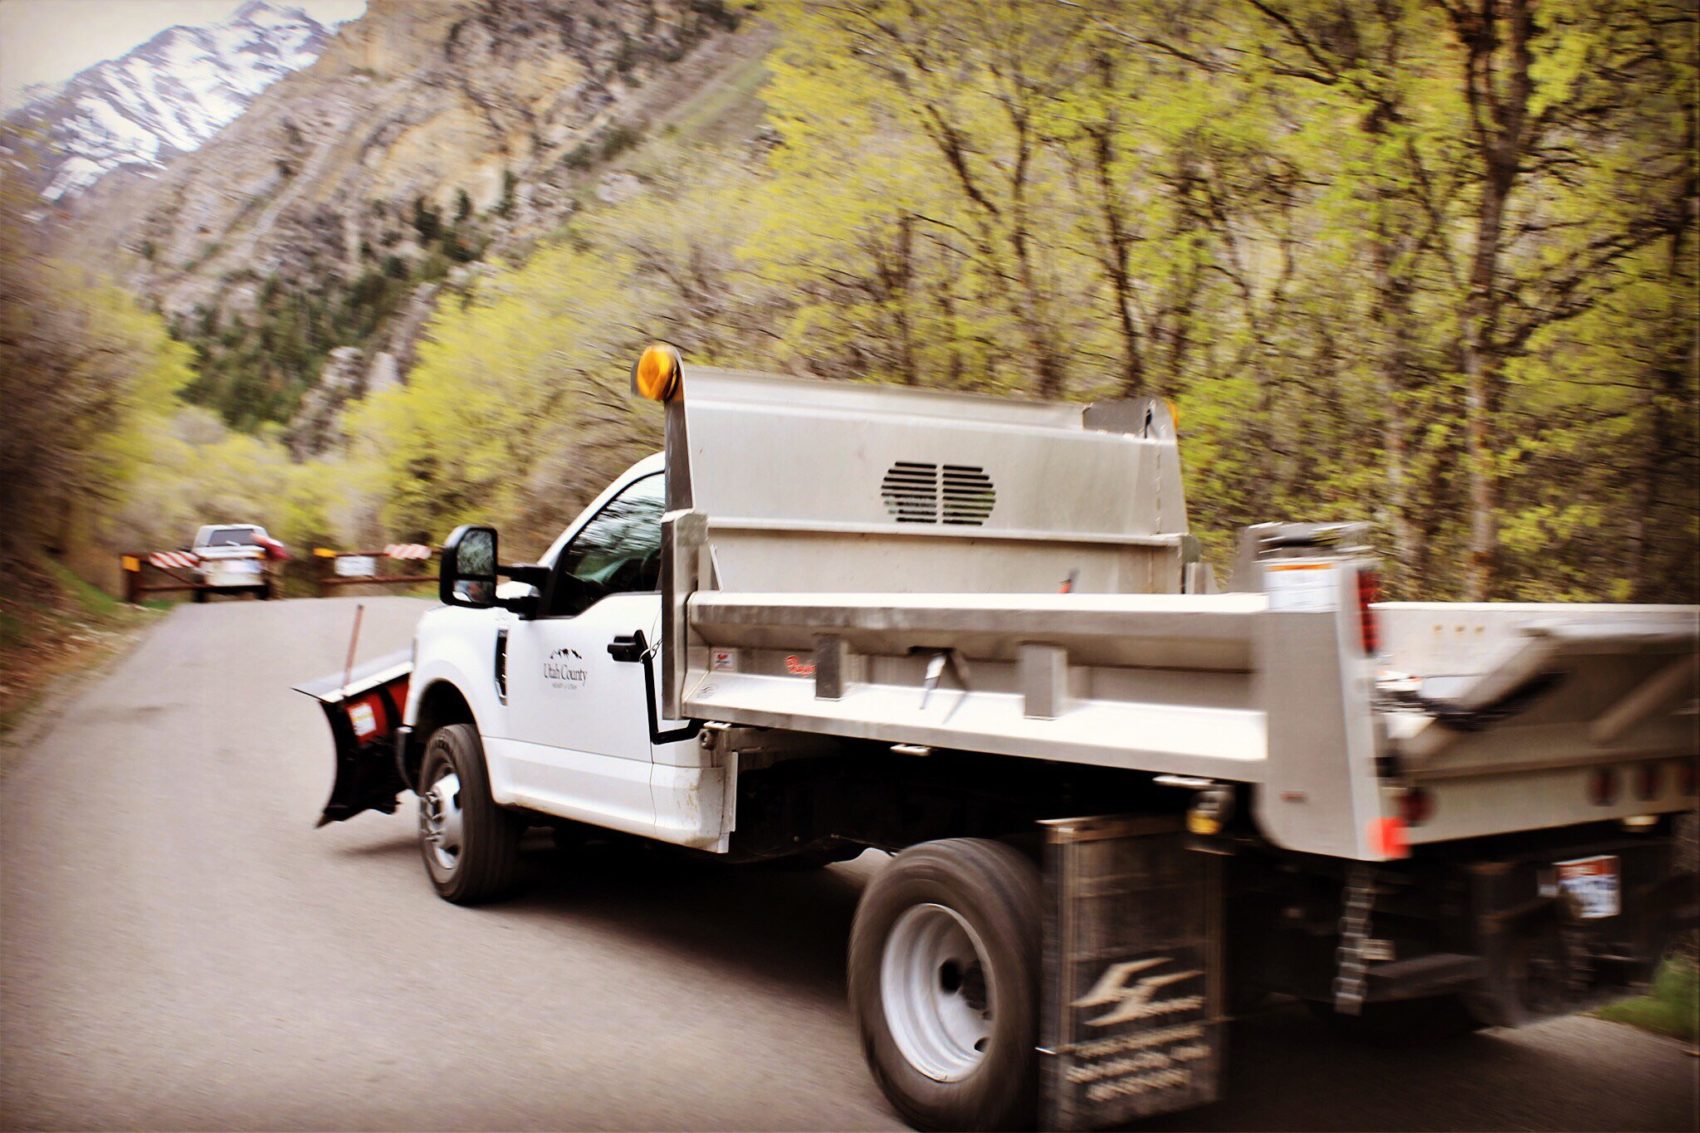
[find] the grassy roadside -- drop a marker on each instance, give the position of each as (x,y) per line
(54,627)
(1670,1007)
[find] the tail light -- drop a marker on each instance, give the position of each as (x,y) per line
(1369,591)
(1647,780)
(1602,786)
(1686,776)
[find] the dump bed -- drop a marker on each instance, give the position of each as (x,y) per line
(886,564)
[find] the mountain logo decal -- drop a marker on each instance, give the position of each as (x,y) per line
(564,668)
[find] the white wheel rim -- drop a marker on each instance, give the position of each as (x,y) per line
(935,989)
(440,822)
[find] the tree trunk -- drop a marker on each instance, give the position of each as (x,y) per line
(1117,243)
(1482,378)
(1499,109)
(1393,318)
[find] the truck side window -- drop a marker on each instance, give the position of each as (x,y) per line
(617,552)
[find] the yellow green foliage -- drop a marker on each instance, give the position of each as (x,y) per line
(518,410)
(199,471)
(84,373)
(1374,288)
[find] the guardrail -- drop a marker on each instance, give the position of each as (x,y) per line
(362,568)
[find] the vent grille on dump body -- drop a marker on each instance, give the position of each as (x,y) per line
(960,494)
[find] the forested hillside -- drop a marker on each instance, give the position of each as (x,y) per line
(1430,264)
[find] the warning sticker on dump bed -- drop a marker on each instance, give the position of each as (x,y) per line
(1302,584)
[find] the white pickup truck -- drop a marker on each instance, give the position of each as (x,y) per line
(234,559)
(975,633)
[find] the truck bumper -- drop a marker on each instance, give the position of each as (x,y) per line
(1517,928)
(1548,948)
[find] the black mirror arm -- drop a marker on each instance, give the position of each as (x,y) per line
(532,575)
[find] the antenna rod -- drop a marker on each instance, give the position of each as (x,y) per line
(353,640)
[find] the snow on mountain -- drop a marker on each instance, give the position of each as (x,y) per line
(163,98)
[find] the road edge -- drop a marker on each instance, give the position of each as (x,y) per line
(38,718)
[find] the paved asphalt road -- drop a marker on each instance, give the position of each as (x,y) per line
(180,949)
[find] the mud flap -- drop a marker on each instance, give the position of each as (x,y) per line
(1134,995)
(364,713)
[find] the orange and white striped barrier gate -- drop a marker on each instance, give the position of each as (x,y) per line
(367,568)
(143,571)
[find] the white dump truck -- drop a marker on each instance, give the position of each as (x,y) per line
(975,633)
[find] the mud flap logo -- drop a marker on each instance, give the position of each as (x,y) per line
(1137,1000)
(1153,1047)
(564,668)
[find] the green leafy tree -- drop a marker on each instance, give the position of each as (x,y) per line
(83,370)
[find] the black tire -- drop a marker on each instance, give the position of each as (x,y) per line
(993,892)
(265,592)
(476,859)
(200,595)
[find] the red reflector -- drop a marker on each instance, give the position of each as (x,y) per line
(1369,590)
(1602,786)
(1386,837)
(1416,806)
(1647,779)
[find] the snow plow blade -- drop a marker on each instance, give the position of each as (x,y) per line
(364,712)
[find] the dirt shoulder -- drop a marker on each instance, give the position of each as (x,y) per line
(56,633)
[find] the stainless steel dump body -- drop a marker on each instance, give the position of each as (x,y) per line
(884,564)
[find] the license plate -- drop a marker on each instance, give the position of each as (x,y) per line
(1594,884)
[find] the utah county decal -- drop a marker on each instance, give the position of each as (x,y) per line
(564,669)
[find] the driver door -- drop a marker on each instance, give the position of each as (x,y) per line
(578,722)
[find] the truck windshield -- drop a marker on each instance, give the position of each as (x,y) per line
(235,537)
(617,552)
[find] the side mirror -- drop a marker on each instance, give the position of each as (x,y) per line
(467,576)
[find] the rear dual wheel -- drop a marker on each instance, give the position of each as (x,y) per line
(944,984)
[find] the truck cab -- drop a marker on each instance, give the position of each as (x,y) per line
(558,670)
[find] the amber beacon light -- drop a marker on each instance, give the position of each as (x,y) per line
(657,374)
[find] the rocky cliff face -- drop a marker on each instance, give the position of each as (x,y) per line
(418,117)
(165,98)
(424,137)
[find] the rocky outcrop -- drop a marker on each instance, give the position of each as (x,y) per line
(394,357)
(315,429)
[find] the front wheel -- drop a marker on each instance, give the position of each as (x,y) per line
(470,845)
(944,984)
